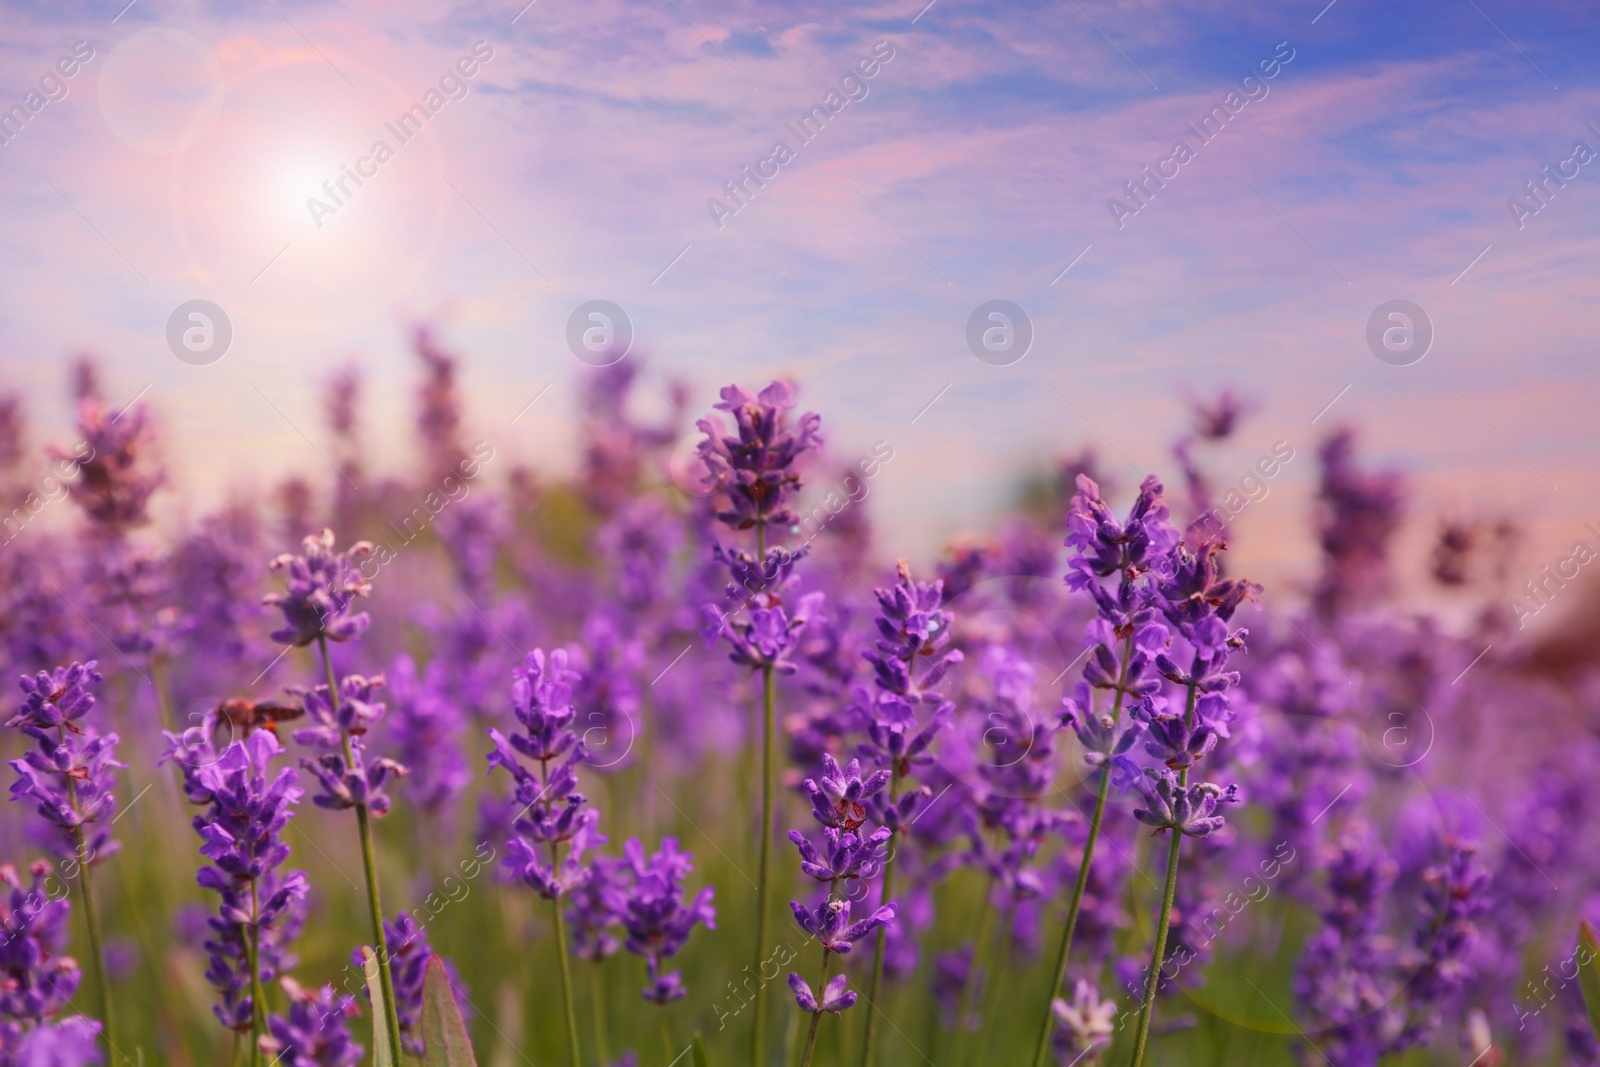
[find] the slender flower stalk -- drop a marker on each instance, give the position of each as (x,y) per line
(320,588)
(391,1018)
(1128,551)
(848,854)
(912,625)
(91,922)
(553,812)
(753,471)
(816,1014)
(261,906)
(566,978)
(1158,951)
(769,803)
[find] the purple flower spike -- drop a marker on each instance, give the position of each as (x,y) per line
(57,699)
(1097,733)
(596,912)
(840,800)
(241,830)
(67,772)
(661,988)
(655,915)
(425,730)
(848,854)
(1085,1024)
(359,708)
(754,469)
(767,638)
(1175,744)
(1104,546)
(1187,809)
(551,811)
(346,784)
(37,978)
(319,589)
(316,1032)
(71,1042)
(836,997)
(830,923)
(912,626)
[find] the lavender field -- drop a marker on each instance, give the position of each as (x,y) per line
(716,533)
(672,762)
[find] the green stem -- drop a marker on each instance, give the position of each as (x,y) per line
(391,1018)
(666,1038)
(1163,921)
(769,799)
(1142,1034)
(816,1016)
(870,1042)
(258,998)
(1075,905)
(158,676)
(598,988)
(91,920)
(566,981)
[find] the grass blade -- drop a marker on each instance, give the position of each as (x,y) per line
(382,1054)
(444,1035)
(1589,972)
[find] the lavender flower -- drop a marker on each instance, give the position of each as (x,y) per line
(67,772)
(1086,1024)
(353,782)
(37,978)
(829,923)
(1360,514)
(1187,809)
(425,732)
(596,909)
(847,855)
(912,627)
(57,699)
(316,1032)
(553,811)
(840,800)
(349,779)
(241,830)
(320,587)
(358,710)
(835,996)
(115,481)
(754,469)
(70,1042)
(768,637)
(656,917)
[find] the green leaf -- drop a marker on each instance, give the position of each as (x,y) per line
(382,1055)
(700,1057)
(1588,956)
(444,1035)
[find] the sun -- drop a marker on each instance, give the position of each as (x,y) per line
(298,182)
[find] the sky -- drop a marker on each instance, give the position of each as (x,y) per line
(1360,153)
